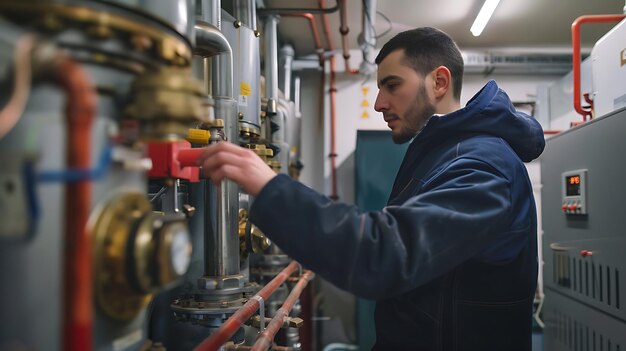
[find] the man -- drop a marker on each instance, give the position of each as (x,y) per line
(452,259)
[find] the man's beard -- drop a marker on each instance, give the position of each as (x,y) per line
(415,117)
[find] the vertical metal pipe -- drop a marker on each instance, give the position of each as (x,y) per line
(245,11)
(210,41)
(212,67)
(210,11)
(271,57)
(287,54)
(221,244)
(221,202)
(298,119)
(296,92)
(368,45)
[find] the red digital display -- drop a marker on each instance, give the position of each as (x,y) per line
(572,185)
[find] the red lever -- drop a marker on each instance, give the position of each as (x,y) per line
(586,253)
(189,157)
(174,160)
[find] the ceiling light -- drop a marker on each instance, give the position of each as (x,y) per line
(483,16)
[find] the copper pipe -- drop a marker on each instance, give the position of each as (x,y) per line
(333,121)
(551,132)
(80,111)
(264,340)
(344,30)
(332,92)
(232,324)
(576,54)
(13,110)
(316,35)
(329,37)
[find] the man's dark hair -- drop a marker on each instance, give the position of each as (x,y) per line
(425,49)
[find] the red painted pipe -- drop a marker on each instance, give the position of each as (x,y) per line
(80,111)
(551,132)
(230,327)
(316,35)
(264,340)
(576,54)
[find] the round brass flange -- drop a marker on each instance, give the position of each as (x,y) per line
(114,222)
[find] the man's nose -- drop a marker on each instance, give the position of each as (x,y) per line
(381,103)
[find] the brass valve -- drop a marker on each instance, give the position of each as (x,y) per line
(214,123)
(258,240)
(216,129)
(166,102)
(263,152)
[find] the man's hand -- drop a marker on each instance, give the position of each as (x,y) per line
(243,166)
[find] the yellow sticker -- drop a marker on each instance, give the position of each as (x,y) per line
(365,115)
(623,57)
(365,103)
(245,89)
(365,90)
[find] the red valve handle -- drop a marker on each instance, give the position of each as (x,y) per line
(189,157)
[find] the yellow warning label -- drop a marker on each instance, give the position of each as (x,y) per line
(365,115)
(365,103)
(365,90)
(245,89)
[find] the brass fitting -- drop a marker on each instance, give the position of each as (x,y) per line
(258,240)
(263,152)
(275,165)
(137,253)
(103,25)
(166,102)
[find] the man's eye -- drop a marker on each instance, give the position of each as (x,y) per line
(392,87)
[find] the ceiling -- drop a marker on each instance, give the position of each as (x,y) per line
(534,24)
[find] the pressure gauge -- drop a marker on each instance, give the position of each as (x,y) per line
(180,250)
(138,252)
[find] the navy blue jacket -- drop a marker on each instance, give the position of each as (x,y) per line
(452,259)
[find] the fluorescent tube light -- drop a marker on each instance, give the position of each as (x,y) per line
(483,16)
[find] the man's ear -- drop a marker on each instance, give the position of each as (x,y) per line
(442,79)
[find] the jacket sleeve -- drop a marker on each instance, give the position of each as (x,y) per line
(449,219)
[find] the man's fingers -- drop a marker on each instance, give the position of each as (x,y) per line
(227,171)
(223,146)
(221,158)
(246,168)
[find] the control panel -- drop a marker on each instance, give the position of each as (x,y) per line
(574,192)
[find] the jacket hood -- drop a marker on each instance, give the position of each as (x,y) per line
(490,111)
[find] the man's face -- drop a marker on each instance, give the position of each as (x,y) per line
(403,97)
